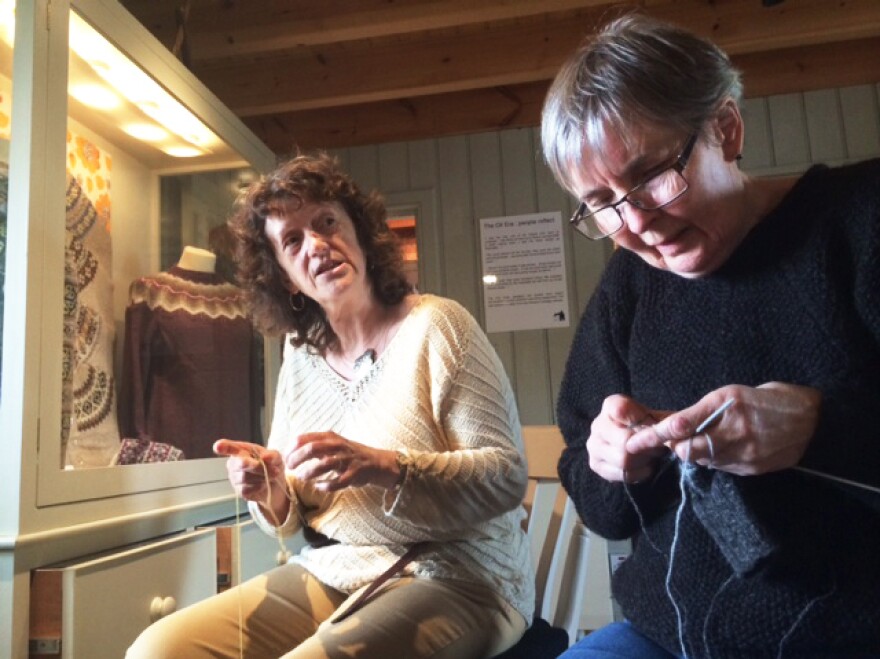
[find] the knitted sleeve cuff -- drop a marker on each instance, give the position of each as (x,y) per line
(407,471)
(290,525)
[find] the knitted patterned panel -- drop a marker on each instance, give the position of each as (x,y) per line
(89,430)
(165,291)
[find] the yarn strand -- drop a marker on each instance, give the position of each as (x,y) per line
(683,480)
(641,517)
(283,554)
(238,571)
(800,618)
(686,469)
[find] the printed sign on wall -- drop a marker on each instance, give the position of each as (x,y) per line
(524,284)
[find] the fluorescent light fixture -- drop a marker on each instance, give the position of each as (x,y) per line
(95,96)
(128,80)
(146,132)
(183,151)
(7,21)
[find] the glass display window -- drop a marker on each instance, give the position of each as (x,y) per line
(156,356)
(7,40)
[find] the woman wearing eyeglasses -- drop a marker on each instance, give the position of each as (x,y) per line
(720,400)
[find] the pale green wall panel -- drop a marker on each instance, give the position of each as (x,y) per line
(458,180)
(861,120)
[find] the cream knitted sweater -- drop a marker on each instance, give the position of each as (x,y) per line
(439,394)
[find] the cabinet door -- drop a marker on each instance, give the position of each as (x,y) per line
(106,602)
(244,551)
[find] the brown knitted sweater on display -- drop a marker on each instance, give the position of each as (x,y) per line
(190,363)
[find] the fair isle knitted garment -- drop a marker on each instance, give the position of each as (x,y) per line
(439,394)
(196,293)
(89,431)
(190,370)
(798,302)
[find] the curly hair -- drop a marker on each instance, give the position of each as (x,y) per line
(309,178)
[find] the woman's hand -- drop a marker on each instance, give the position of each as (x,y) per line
(767,428)
(256,474)
(333,462)
(619,419)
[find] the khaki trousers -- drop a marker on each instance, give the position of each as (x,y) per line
(286,613)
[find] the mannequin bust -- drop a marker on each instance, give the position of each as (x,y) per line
(195,258)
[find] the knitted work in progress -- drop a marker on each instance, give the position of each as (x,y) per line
(687,470)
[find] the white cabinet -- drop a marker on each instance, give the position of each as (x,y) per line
(96,607)
(97,198)
(244,551)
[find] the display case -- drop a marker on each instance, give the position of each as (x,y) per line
(121,170)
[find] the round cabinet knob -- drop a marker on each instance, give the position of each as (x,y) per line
(161,607)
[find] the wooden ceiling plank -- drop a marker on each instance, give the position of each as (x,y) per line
(809,68)
(523,52)
(363,20)
(341,75)
(740,27)
(765,74)
(386,70)
(427,116)
(244,27)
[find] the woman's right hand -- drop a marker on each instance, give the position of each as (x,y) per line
(767,428)
(256,474)
(621,417)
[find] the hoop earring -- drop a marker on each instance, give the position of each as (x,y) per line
(292,300)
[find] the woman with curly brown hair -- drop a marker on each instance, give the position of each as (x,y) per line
(395,447)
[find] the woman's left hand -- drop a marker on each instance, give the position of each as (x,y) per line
(767,428)
(333,462)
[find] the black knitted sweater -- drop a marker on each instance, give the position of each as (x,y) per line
(781,565)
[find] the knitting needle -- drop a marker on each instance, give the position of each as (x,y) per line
(712,418)
(701,429)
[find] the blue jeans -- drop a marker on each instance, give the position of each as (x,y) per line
(619,640)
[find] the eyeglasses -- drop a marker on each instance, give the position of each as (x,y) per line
(656,191)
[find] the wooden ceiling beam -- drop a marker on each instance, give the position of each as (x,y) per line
(765,74)
(375,71)
(244,27)
(311,23)
(337,73)
(405,119)
(510,53)
(748,27)
(810,68)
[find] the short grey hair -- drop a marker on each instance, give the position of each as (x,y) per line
(635,72)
